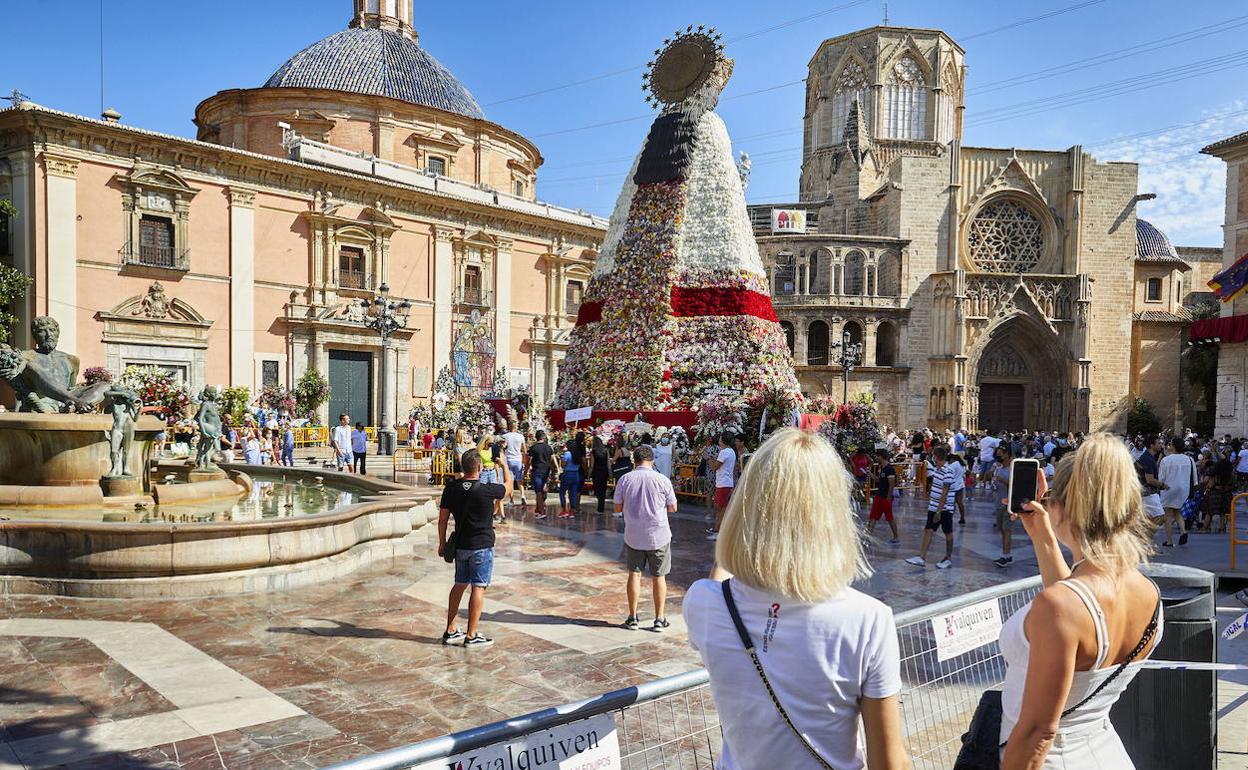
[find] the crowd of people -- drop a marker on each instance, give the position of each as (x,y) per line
(779,611)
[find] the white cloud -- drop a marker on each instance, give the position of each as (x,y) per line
(1190,187)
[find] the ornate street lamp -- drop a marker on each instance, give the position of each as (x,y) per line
(387,316)
(850,355)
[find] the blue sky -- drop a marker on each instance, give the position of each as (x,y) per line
(1166,76)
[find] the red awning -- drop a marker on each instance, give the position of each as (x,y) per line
(1229,329)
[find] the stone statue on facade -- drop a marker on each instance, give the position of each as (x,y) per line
(123,404)
(209,419)
(43,379)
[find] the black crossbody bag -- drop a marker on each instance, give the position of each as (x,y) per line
(758,666)
(981,744)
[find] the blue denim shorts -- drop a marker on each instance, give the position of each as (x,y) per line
(474,567)
(517,472)
(489,477)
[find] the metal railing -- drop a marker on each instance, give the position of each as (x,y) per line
(1230,526)
(147,255)
(352,279)
(672,722)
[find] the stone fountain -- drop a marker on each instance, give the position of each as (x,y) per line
(59,450)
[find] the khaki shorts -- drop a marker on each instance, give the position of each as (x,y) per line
(658,561)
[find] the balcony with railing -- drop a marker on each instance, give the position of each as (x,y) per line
(353,279)
(838,300)
(473,297)
(160,257)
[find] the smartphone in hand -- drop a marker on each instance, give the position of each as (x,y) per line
(1022,483)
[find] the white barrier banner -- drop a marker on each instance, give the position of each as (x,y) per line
(963,630)
(1235,628)
(590,744)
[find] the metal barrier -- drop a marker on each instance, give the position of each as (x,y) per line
(1230,525)
(672,722)
(415,461)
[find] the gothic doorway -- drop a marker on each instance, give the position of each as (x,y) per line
(1022,379)
(1001,406)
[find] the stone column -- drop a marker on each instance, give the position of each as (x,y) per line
(21,237)
(869,327)
(502,306)
(243,287)
(62,223)
(800,340)
(443,288)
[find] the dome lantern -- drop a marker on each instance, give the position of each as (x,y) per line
(394,15)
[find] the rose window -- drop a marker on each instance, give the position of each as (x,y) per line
(1005,237)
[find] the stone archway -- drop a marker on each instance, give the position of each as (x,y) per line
(1022,379)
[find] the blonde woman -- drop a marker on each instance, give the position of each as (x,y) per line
(828,653)
(1074,648)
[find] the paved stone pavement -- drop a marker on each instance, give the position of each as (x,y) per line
(305,678)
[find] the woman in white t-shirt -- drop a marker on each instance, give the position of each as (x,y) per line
(828,652)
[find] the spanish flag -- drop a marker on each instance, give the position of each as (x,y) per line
(1231,281)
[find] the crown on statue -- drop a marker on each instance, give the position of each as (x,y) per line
(691,62)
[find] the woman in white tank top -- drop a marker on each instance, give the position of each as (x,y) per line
(1063,651)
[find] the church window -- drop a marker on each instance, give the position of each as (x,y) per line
(855,273)
(886,344)
(817,344)
(787,328)
(156,242)
(785,275)
(436,165)
(905,101)
(472,285)
(1152,292)
(950,97)
(6,240)
(889,271)
(1005,237)
(853,333)
(518,188)
(572,297)
(851,85)
(351,267)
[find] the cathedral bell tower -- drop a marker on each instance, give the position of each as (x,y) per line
(394,15)
(873,96)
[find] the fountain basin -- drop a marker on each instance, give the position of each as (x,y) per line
(66,450)
(180,560)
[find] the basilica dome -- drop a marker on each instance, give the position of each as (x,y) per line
(379,62)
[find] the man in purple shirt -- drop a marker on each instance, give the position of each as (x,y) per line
(645,497)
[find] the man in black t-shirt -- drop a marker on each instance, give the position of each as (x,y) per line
(538,465)
(472,505)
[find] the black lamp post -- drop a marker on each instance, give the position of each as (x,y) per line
(386,318)
(850,353)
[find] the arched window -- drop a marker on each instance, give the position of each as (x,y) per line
(788,334)
(886,344)
(817,344)
(785,275)
(812,274)
(1005,237)
(950,97)
(854,330)
(821,270)
(851,85)
(889,272)
(905,101)
(1152,292)
(855,270)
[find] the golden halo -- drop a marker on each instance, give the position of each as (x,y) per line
(683,65)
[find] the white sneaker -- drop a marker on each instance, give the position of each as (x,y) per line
(916,561)
(713,536)
(944,564)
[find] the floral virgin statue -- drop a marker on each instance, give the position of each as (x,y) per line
(678,304)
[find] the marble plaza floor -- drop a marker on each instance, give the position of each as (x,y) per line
(309,677)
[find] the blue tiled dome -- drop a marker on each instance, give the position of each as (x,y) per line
(1151,244)
(380,62)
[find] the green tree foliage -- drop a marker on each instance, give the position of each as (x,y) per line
(1142,418)
(234,402)
(13,283)
(311,391)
